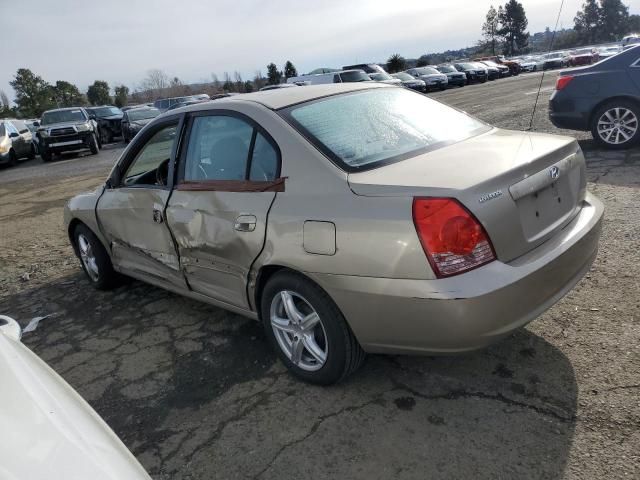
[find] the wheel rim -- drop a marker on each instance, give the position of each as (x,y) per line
(299,331)
(88,258)
(617,125)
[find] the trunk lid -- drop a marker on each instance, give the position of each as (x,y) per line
(523,187)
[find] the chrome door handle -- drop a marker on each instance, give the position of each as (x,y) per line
(245,223)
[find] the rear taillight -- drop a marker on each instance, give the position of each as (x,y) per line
(562,82)
(452,238)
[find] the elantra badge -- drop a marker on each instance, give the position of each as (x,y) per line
(554,172)
(490,196)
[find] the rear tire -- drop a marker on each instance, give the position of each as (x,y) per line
(332,351)
(613,122)
(94,259)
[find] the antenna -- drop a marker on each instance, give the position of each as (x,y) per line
(553,37)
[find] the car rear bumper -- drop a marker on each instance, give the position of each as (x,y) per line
(569,112)
(472,310)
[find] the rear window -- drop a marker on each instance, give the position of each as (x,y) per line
(356,76)
(366,129)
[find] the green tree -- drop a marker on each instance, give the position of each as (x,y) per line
(66,94)
(423,61)
(122,95)
(33,94)
(98,93)
(490,29)
(290,70)
(634,24)
(248,86)
(513,27)
(396,63)
(587,21)
(614,20)
(273,74)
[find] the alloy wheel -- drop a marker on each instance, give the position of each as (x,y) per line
(88,258)
(617,125)
(299,331)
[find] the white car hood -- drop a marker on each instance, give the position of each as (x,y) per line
(48,430)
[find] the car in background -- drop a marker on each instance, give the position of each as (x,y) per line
(109,119)
(186,103)
(349,218)
(135,119)
(583,56)
(473,71)
(503,70)
(384,77)
(630,40)
(55,434)
(342,76)
(606,52)
(279,85)
(15,142)
(555,60)
(163,104)
(432,78)
(514,67)
(366,68)
(454,77)
(603,98)
(409,81)
(140,105)
(527,64)
(33,128)
(65,130)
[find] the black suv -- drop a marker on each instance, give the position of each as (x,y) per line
(65,130)
(109,120)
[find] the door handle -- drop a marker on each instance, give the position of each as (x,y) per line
(245,223)
(157,216)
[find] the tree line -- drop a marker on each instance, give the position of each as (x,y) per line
(34,95)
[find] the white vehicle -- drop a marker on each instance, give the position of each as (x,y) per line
(47,430)
(529,64)
(342,76)
(630,40)
(606,52)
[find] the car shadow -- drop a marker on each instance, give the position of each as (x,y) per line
(193,390)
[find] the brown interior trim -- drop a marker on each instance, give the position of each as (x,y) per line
(232,186)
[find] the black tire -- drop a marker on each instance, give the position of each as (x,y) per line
(32,152)
(344,354)
(106,277)
(93,145)
(103,137)
(13,159)
(45,155)
(633,107)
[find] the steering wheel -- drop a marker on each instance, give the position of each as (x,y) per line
(162,173)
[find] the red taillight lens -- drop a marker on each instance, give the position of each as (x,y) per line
(452,238)
(563,82)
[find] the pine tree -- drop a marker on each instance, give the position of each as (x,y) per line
(587,21)
(290,70)
(513,27)
(273,74)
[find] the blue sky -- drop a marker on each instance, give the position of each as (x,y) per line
(119,40)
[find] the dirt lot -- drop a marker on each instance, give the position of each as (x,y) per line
(195,393)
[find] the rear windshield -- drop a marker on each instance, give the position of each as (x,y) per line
(357,76)
(365,129)
(107,111)
(404,76)
(446,69)
(143,114)
(61,116)
(426,71)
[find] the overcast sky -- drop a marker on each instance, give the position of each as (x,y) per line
(119,40)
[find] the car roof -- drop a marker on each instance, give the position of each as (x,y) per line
(65,108)
(285,97)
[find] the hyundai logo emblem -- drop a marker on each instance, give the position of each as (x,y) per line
(554,172)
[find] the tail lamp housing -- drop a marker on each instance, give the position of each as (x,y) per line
(452,238)
(563,81)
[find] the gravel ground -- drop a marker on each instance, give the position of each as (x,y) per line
(195,393)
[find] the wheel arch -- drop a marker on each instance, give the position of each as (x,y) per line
(71,228)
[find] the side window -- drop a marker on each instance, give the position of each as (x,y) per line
(264,162)
(21,126)
(150,167)
(11,128)
(218,149)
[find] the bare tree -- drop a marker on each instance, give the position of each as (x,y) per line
(4,100)
(215,81)
(239,82)
(156,82)
(258,80)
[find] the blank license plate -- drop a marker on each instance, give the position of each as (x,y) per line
(62,144)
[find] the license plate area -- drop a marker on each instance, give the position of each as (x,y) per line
(64,144)
(541,210)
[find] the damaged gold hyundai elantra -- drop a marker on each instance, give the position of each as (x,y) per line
(347,219)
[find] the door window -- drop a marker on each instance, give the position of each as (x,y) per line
(264,162)
(151,164)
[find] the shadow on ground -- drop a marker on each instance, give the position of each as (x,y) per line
(194,392)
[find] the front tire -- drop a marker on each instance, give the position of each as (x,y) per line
(94,259)
(308,331)
(32,152)
(45,155)
(616,125)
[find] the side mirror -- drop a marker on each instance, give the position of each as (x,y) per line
(36,124)
(14,135)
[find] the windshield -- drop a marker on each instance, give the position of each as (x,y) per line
(143,114)
(62,116)
(426,71)
(446,69)
(554,55)
(584,51)
(467,66)
(107,111)
(360,130)
(355,76)
(403,76)
(380,76)
(489,63)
